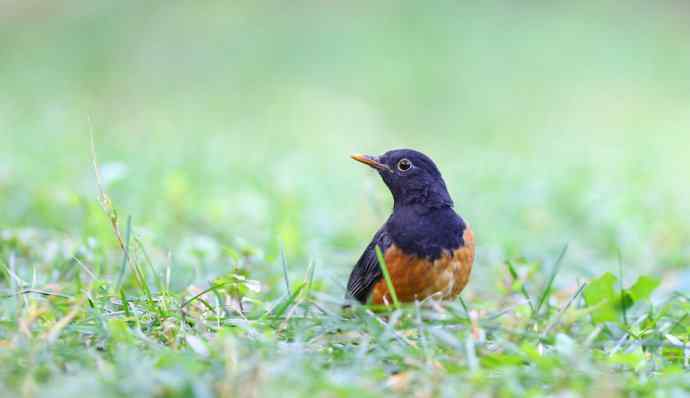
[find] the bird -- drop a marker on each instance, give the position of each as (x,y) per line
(428,248)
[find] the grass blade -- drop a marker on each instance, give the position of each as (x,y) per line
(283,262)
(125,303)
(549,283)
(567,305)
(282,307)
(147,260)
(125,257)
(464,307)
(387,276)
(523,290)
(620,281)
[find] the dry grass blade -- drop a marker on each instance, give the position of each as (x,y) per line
(103,198)
(52,335)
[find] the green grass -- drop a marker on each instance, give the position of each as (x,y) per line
(214,260)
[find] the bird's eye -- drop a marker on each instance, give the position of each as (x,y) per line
(404,165)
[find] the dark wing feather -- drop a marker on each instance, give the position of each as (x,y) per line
(367,271)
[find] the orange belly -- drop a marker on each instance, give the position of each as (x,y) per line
(416,279)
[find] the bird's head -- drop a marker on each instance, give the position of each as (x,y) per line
(411,176)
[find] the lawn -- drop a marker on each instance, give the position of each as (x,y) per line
(179,213)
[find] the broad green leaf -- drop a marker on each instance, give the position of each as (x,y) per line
(601,294)
(644,287)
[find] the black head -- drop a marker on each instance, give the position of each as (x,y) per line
(411,176)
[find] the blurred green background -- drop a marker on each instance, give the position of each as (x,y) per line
(232,122)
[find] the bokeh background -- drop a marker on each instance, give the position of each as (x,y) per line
(230,123)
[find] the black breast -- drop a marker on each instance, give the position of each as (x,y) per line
(424,232)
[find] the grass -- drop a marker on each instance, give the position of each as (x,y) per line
(208,254)
(387,277)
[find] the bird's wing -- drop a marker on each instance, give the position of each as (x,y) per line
(367,271)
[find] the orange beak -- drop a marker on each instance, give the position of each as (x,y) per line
(371,161)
